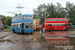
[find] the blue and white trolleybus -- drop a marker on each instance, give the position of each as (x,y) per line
(22,24)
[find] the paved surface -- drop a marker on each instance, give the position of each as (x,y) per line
(37,40)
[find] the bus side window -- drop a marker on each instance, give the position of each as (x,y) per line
(49,25)
(17,25)
(55,24)
(52,19)
(59,24)
(56,19)
(52,24)
(65,24)
(20,25)
(62,24)
(14,25)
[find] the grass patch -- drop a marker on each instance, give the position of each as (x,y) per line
(73,28)
(8,29)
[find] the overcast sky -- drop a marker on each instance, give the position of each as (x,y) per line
(7,6)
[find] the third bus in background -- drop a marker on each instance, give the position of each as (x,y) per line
(36,25)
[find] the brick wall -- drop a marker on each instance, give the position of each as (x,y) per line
(1,22)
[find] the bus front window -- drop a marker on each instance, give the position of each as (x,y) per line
(28,25)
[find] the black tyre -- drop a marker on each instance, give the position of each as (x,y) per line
(22,31)
(66,29)
(51,29)
(37,29)
(14,31)
(31,33)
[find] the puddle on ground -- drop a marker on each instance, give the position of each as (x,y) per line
(42,41)
(1,39)
(58,41)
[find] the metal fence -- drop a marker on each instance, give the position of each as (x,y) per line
(73,26)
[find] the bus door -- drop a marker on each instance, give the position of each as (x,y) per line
(22,26)
(27,27)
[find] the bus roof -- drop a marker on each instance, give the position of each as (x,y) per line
(22,15)
(56,18)
(35,19)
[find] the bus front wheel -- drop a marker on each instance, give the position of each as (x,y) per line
(22,31)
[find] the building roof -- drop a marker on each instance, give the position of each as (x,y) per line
(35,19)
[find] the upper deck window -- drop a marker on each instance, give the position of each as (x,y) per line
(56,19)
(37,20)
(22,17)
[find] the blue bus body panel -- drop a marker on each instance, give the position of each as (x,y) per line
(17,29)
(26,30)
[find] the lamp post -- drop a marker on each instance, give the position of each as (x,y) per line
(45,19)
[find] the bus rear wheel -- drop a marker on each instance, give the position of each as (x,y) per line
(66,29)
(22,31)
(51,29)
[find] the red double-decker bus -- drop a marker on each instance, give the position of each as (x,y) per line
(55,24)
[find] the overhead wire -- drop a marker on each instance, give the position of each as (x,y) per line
(38,1)
(17,1)
(29,1)
(14,2)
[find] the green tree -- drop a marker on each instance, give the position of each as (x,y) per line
(2,17)
(52,11)
(39,13)
(7,21)
(70,9)
(18,14)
